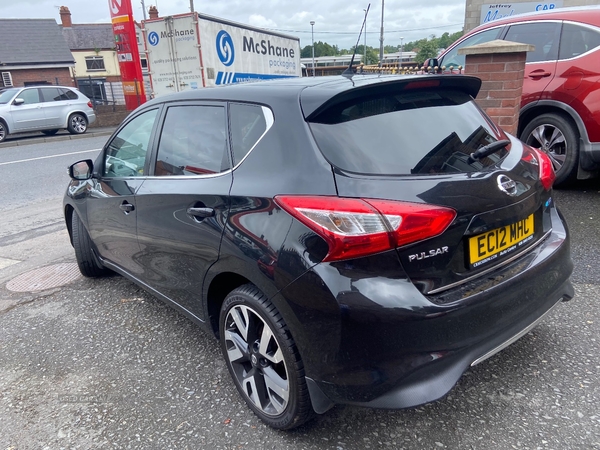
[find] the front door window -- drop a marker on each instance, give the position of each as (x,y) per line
(126,154)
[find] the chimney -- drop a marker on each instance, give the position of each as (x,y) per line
(65,17)
(153,12)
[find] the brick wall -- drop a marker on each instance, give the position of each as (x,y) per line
(500,65)
(109,116)
(501,78)
(20,76)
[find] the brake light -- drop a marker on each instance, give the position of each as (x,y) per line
(355,227)
(422,84)
(90,104)
(542,160)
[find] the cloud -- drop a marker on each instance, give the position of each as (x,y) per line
(337,22)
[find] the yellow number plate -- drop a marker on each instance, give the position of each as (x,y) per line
(489,246)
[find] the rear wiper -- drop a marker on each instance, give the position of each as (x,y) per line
(487,150)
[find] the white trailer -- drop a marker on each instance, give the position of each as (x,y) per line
(192,51)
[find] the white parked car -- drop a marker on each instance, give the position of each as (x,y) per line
(44,108)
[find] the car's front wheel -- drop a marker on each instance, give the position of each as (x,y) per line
(556,135)
(77,124)
(263,359)
(3,131)
(87,262)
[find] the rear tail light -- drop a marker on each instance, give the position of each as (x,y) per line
(355,227)
(542,160)
(90,104)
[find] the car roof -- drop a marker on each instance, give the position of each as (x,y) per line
(316,91)
(585,14)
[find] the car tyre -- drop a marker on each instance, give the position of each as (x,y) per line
(556,135)
(3,131)
(77,124)
(50,132)
(263,360)
(87,262)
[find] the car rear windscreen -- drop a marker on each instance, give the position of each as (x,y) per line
(427,131)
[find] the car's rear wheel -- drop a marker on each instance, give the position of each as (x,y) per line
(263,359)
(50,132)
(77,124)
(556,135)
(87,262)
(3,131)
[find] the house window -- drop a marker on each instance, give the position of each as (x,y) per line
(94,63)
(7,79)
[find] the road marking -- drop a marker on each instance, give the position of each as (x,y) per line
(5,262)
(50,156)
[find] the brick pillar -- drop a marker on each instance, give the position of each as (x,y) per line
(500,65)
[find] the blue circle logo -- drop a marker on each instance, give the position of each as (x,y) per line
(153,38)
(225,49)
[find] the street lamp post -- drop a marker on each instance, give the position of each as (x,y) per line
(312,34)
(381,37)
(401,51)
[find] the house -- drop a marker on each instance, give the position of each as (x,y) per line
(33,52)
(96,71)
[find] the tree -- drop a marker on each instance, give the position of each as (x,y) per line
(321,49)
(372,54)
(428,50)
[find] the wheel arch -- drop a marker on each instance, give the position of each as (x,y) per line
(532,110)
(78,112)
(5,123)
(69,220)
(220,286)
(228,274)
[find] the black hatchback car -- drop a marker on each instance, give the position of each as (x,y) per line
(354,240)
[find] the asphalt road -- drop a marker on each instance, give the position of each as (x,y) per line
(101,364)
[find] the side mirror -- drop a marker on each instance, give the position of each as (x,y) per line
(18,101)
(81,170)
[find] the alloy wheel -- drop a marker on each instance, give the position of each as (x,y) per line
(257,360)
(551,140)
(78,124)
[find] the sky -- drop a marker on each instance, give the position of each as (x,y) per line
(337,22)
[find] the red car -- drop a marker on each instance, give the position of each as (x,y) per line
(560,107)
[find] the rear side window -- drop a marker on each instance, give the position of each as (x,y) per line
(70,95)
(413,132)
(577,40)
(248,123)
(193,141)
(53,94)
(543,35)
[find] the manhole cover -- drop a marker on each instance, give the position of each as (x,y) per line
(44,278)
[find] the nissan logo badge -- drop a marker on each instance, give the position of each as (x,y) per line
(507,185)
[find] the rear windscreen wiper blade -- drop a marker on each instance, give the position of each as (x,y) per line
(487,150)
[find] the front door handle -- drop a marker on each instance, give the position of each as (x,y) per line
(201,213)
(126,207)
(539,73)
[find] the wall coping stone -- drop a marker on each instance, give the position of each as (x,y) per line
(496,46)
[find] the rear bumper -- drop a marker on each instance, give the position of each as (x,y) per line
(91,117)
(387,346)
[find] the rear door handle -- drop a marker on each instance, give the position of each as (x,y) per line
(126,207)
